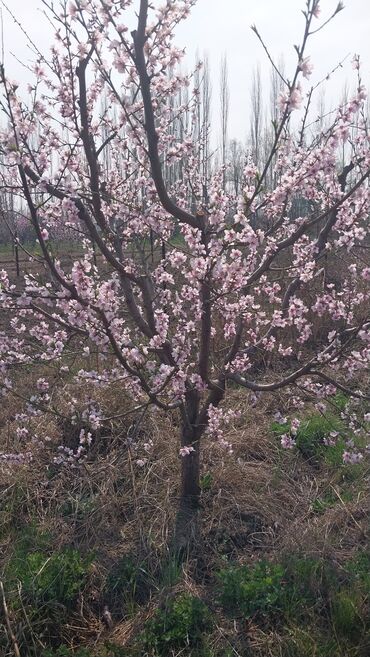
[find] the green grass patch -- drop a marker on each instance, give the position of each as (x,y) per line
(182,624)
(56,578)
(251,590)
(328,499)
(312,435)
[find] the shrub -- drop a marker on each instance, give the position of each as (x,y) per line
(181,623)
(251,590)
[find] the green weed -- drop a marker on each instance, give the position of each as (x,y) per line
(58,577)
(329,499)
(206,481)
(248,591)
(181,624)
(47,576)
(346,613)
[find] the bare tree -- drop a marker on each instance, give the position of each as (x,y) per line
(256,117)
(236,161)
(206,120)
(224,110)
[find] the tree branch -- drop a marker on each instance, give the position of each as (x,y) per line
(139,38)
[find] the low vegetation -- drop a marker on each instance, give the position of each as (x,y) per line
(282,567)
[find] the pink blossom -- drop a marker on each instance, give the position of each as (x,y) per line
(72,9)
(356,62)
(352,457)
(294,426)
(186,450)
(316,10)
(287,442)
(280,418)
(362,92)
(295,98)
(306,67)
(42,385)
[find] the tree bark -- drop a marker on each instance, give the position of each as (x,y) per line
(186,526)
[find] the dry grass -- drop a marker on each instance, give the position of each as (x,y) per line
(259,505)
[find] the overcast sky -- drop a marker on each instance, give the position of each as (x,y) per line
(223,26)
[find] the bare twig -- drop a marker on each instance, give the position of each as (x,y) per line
(8,624)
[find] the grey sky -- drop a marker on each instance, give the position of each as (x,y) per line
(223,26)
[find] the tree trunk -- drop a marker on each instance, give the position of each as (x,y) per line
(186,527)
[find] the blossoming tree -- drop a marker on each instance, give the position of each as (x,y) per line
(241,281)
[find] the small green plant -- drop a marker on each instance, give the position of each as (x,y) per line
(252,590)
(79,506)
(322,503)
(182,623)
(346,613)
(312,433)
(113,650)
(339,401)
(109,650)
(30,538)
(170,572)
(228,652)
(279,429)
(57,578)
(206,481)
(329,499)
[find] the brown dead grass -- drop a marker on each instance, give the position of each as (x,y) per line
(259,506)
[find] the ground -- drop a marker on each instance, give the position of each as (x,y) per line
(281,568)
